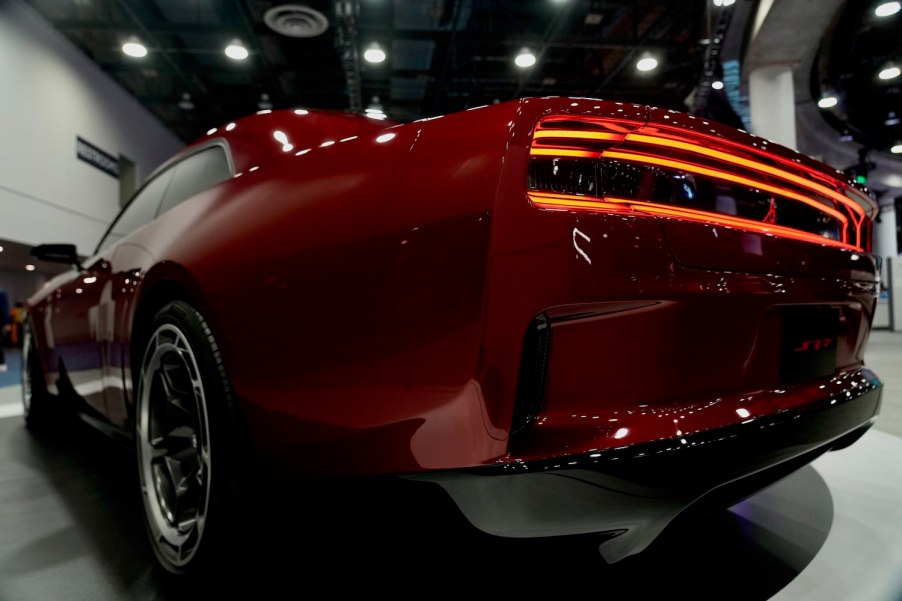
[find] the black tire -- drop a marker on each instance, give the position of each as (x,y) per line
(39,406)
(190,465)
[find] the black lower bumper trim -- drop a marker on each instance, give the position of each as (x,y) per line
(636,491)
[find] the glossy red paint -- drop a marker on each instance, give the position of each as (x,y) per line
(371,286)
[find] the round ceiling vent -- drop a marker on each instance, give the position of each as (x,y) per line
(296,21)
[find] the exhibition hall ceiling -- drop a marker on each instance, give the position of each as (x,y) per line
(442,56)
(858,54)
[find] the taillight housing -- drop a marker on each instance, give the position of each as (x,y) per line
(607,165)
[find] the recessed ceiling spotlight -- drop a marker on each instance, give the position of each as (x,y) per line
(887,8)
(186,104)
(827,101)
(236,51)
(375,110)
(133,47)
(525,59)
(724,2)
(647,63)
(29,267)
(374,53)
(897,147)
(717,85)
(891,72)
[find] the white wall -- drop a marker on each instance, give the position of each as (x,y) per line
(49,94)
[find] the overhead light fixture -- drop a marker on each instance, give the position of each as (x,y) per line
(717,85)
(133,47)
(897,147)
(827,101)
(891,72)
(264,103)
(525,59)
(29,267)
(887,8)
(374,53)
(186,104)
(236,51)
(724,2)
(1,249)
(647,63)
(375,110)
(892,119)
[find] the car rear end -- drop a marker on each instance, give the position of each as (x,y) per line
(690,305)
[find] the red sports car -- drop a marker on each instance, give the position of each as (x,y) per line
(574,315)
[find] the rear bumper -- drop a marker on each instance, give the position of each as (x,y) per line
(632,493)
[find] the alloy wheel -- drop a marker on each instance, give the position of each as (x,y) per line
(173,446)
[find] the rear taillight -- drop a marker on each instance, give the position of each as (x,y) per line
(594,164)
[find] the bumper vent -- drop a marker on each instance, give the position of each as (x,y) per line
(533,372)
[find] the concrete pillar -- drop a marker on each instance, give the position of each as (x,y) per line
(885,229)
(894,282)
(772,104)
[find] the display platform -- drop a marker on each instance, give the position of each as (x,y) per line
(70,528)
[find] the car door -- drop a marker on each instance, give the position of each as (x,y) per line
(83,308)
(205,167)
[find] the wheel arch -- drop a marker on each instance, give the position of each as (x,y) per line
(163,283)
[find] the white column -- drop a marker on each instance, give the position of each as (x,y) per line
(895,295)
(772,104)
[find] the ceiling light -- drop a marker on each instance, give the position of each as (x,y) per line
(374,53)
(134,48)
(211,131)
(724,2)
(890,73)
(828,100)
(375,109)
(892,119)
(717,85)
(887,8)
(186,104)
(525,59)
(264,104)
(375,105)
(29,267)
(647,63)
(897,147)
(1,249)
(236,51)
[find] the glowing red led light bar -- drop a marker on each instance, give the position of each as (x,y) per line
(620,205)
(858,212)
(581,135)
(565,152)
(725,176)
(623,134)
(755,165)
